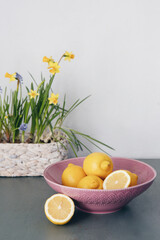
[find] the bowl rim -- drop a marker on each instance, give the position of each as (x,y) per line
(101,190)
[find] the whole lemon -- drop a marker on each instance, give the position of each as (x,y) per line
(99,164)
(72,174)
(91,182)
(134,178)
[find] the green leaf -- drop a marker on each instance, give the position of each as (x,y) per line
(33,79)
(88,137)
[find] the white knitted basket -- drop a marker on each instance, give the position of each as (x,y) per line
(29,159)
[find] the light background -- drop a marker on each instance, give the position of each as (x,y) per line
(117,60)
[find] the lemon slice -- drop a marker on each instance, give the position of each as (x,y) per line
(117,180)
(59,209)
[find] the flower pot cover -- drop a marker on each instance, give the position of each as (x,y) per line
(29,159)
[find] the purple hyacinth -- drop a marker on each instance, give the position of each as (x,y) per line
(19,77)
(23,127)
(0,90)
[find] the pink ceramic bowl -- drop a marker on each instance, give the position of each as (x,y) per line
(101,201)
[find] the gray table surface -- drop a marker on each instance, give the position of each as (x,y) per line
(22,214)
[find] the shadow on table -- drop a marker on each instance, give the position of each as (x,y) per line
(79,216)
(82,217)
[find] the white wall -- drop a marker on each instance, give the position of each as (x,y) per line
(117,49)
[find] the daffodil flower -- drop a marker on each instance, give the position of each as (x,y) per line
(6,117)
(53,99)
(68,56)
(14,76)
(11,76)
(54,67)
(48,60)
(33,94)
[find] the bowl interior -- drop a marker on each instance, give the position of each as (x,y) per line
(144,171)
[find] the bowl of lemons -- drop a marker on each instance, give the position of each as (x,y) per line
(99,183)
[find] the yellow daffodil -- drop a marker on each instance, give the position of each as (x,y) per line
(6,117)
(53,99)
(33,94)
(11,76)
(54,67)
(68,56)
(48,60)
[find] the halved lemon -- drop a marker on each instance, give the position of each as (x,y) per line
(117,180)
(59,209)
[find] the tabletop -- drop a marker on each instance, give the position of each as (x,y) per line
(22,214)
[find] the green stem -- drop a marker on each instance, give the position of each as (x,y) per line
(36,139)
(13,137)
(60,59)
(55,73)
(18,85)
(20,91)
(23,134)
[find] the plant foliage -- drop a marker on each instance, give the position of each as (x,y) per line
(40,110)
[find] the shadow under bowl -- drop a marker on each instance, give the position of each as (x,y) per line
(101,201)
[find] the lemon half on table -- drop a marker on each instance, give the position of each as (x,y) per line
(59,209)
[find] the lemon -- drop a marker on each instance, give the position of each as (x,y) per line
(99,164)
(91,182)
(72,175)
(117,180)
(59,209)
(134,178)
